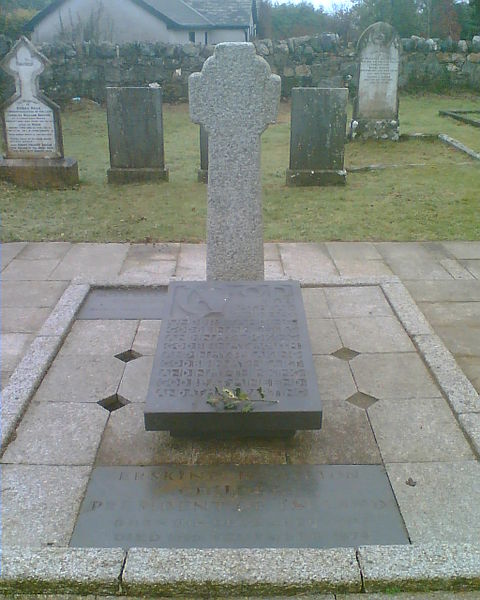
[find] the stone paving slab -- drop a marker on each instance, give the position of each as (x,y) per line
(412,261)
(226,572)
(444,291)
(306,262)
(23,320)
(40,503)
(463,250)
(85,262)
(22,294)
(135,379)
(374,334)
(191,264)
(440,506)
(29,270)
(44,250)
(9,251)
(99,338)
(146,338)
(348,302)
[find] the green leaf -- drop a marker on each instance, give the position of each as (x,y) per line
(228,393)
(230,405)
(247,407)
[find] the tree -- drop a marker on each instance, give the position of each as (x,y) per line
(264,19)
(403,15)
(291,20)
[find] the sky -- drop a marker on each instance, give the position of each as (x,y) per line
(326,4)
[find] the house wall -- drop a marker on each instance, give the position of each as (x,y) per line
(215,36)
(118,22)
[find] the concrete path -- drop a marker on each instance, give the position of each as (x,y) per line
(443,278)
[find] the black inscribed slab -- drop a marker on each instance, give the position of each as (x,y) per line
(245,335)
(229,506)
(124,303)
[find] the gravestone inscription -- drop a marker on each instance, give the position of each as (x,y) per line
(250,337)
(239,506)
(135,134)
(317,136)
(235,97)
(375,112)
(32,127)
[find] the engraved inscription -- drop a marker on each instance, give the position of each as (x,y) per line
(30,128)
(378,70)
(239,506)
(247,339)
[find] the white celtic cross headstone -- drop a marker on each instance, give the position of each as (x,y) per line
(31,121)
(235,97)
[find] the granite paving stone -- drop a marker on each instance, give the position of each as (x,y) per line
(14,346)
(417,430)
(471,425)
(239,452)
(249,571)
(22,320)
(192,262)
(473,267)
(444,291)
(439,506)
(366,268)
(364,301)
(461,339)
(393,375)
(470,365)
(412,261)
(40,503)
(420,567)
(125,442)
(146,338)
(273,270)
(141,256)
(315,303)
(345,438)
(306,262)
(324,338)
(29,270)
(45,250)
(89,261)
(63,315)
(456,270)
(334,378)
(452,313)
(9,251)
(136,378)
(4,377)
(346,251)
(463,249)
(403,305)
(271,251)
(79,378)
(374,334)
(99,338)
(22,294)
(57,434)
(60,573)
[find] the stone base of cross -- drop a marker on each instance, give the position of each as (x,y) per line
(235,97)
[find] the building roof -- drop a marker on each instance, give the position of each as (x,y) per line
(182,14)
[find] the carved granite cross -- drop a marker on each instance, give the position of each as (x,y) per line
(235,97)
(26,64)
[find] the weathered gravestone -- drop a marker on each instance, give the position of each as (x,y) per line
(32,127)
(235,97)
(234,356)
(135,134)
(317,136)
(203,170)
(375,112)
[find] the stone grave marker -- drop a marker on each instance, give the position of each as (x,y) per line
(375,112)
(203,170)
(32,127)
(317,136)
(135,134)
(235,97)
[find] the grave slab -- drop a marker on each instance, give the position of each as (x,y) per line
(245,335)
(248,506)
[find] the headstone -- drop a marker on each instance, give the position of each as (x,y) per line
(203,170)
(375,112)
(235,97)
(135,134)
(233,336)
(317,136)
(32,127)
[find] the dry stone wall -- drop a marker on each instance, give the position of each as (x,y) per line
(86,70)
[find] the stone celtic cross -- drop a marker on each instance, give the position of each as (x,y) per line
(31,121)
(235,97)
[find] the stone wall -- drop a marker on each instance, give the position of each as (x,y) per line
(86,70)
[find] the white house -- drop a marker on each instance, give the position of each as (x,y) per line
(170,21)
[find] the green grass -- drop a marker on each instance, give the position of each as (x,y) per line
(438,201)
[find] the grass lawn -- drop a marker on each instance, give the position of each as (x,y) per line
(438,201)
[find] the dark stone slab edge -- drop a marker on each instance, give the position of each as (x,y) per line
(60,173)
(120,176)
(224,573)
(313,178)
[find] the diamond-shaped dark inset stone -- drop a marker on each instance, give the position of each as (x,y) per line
(362,400)
(113,402)
(345,353)
(128,355)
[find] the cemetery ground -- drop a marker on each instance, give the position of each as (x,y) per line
(435,200)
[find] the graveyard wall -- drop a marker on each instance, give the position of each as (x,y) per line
(87,69)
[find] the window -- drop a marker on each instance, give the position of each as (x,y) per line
(191,36)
